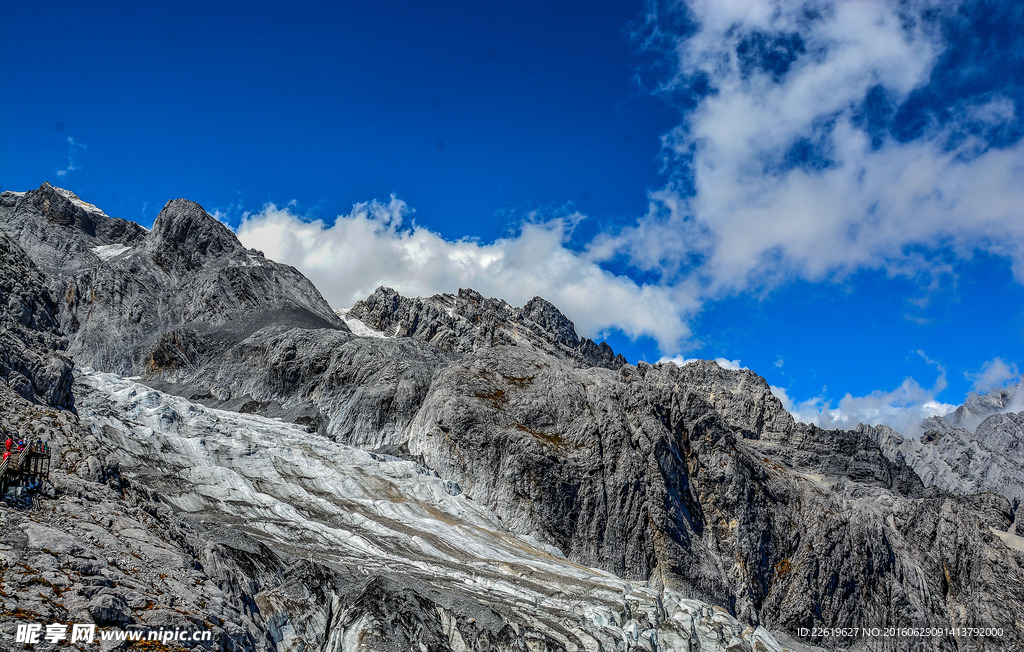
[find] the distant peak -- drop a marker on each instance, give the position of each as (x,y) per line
(183,207)
(471,295)
(50,191)
(544,313)
(183,218)
(467,320)
(184,227)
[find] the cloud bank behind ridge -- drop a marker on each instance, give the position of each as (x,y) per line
(372,245)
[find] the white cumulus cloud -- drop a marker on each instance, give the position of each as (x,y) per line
(373,245)
(902,408)
(994,374)
(777,174)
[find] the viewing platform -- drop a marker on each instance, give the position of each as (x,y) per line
(22,474)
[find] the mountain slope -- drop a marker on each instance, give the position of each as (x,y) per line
(977,447)
(384,534)
(136,301)
(32,362)
(166,515)
(691,479)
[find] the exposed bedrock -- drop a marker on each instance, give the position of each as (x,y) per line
(693,481)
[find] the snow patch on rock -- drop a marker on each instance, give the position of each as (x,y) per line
(73,198)
(106,252)
(357,326)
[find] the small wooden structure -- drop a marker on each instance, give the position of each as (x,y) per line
(23,472)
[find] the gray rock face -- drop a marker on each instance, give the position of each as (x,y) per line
(742,398)
(60,230)
(272,539)
(139,302)
(32,362)
(977,447)
(637,473)
(693,481)
(465,322)
(364,391)
(361,391)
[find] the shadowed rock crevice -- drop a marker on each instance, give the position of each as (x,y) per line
(32,359)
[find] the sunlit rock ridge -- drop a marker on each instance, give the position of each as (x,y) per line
(446,473)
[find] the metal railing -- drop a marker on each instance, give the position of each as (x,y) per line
(18,459)
(25,468)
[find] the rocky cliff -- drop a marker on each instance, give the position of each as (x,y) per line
(637,472)
(139,301)
(32,360)
(977,447)
(693,482)
(468,321)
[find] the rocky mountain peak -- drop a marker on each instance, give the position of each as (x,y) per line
(184,232)
(980,405)
(467,321)
(977,447)
(64,207)
(59,231)
(549,318)
(467,295)
(743,398)
(138,301)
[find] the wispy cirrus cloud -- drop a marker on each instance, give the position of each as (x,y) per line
(74,149)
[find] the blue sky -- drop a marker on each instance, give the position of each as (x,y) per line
(829,194)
